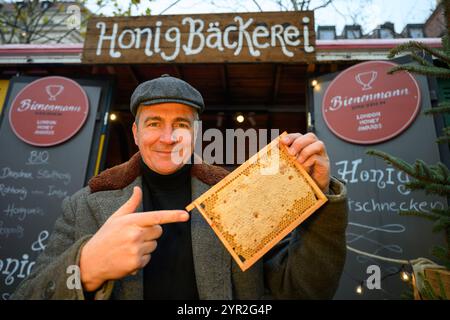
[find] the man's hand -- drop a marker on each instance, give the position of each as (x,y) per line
(312,155)
(124,243)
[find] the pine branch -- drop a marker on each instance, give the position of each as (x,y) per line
(441,224)
(442,171)
(398,163)
(443,107)
(415,45)
(446,43)
(443,139)
(442,254)
(426,215)
(428,71)
(419,171)
(424,172)
(420,60)
(439,212)
(429,188)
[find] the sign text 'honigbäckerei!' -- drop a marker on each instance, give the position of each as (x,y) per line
(237,37)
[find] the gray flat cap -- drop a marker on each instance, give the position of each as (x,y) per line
(166,89)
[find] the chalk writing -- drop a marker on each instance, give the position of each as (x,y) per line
(350,172)
(373,206)
(65,177)
(39,245)
(5,231)
(38,158)
(53,192)
(7,172)
(21,213)
(16,268)
(6,190)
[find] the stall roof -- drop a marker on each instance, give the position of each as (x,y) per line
(327,51)
(277,87)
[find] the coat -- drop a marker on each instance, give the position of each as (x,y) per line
(307,264)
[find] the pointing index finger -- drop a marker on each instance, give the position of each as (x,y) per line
(151,218)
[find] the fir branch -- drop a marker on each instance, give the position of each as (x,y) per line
(428,71)
(440,212)
(421,60)
(415,45)
(443,139)
(446,43)
(441,224)
(424,172)
(426,215)
(442,254)
(396,162)
(430,188)
(420,171)
(443,171)
(443,107)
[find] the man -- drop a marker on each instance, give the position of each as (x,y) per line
(129,235)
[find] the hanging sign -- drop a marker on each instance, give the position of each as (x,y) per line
(49,111)
(364,104)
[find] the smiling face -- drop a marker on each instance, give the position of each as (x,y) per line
(164,135)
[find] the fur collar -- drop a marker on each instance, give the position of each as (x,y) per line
(120,176)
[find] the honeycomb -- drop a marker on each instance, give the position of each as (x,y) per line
(259,203)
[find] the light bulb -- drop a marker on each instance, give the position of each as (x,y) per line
(314,83)
(405,276)
(112,117)
(359,289)
(240,118)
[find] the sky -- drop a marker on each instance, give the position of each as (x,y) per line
(368,13)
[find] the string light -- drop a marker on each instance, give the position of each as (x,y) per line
(405,276)
(359,289)
(113,117)
(314,83)
(240,118)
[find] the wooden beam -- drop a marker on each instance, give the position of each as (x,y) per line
(276,82)
(111,70)
(311,68)
(225,86)
(178,71)
(333,67)
(133,75)
(95,69)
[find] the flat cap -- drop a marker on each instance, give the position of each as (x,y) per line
(166,89)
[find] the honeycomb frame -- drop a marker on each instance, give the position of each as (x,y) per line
(248,242)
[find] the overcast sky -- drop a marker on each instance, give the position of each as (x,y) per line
(368,13)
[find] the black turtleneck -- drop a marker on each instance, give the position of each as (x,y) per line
(170,273)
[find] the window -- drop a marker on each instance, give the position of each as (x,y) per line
(326,32)
(386,34)
(416,33)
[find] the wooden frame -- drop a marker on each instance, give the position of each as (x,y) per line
(319,195)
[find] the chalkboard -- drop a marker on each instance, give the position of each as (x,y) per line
(376,193)
(35,180)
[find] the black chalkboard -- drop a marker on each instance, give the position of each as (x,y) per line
(376,193)
(35,180)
